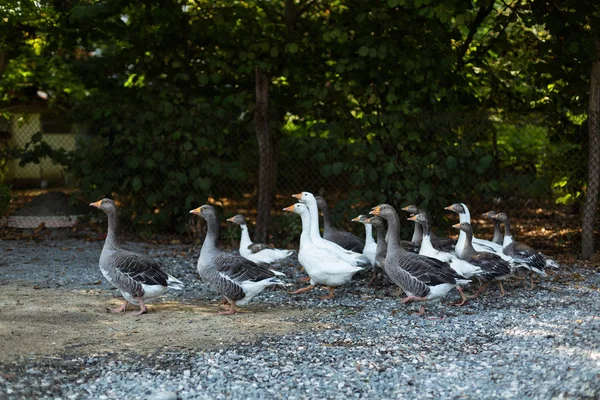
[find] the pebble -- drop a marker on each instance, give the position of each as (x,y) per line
(531,344)
(163,396)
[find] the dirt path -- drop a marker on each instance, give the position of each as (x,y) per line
(50,321)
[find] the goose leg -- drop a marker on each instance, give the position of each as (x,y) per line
(143,308)
(231,309)
(531,280)
(120,309)
(329,295)
(413,298)
(502,292)
(478,292)
(306,289)
(462,296)
(305,279)
(373,277)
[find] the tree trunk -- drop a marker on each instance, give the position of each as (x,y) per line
(3,63)
(265,151)
(591,198)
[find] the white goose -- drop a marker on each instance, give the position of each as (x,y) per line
(370,249)
(322,266)
(463,267)
(257,252)
(356,259)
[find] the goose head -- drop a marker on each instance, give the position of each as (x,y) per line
(501,216)
(385,211)
(361,218)
(204,211)
(304,197)
(489,214)
(297,208)
(463,226)
(238,219)
(421,218)
(411,209)
(106,205)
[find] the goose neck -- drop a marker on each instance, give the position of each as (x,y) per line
(212,234)
(313,218)
(113,224)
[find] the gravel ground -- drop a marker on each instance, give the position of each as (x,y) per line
(541,343)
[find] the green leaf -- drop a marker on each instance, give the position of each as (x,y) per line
(337,168)
(274,51)
(363,51)
(451,162)
(574,47)
(133,162)
(292,48)
(392,3)
(136,184)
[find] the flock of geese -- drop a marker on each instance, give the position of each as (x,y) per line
(425,268)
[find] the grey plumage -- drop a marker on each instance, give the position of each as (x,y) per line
(438,243)
(139,278)
(497,232)
(346,239)
(416,275)
(234,277)
(520,252)
(492,265)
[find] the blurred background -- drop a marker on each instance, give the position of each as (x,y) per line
(167,105)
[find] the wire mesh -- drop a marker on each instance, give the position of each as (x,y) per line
(536,170)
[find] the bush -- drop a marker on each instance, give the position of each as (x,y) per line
(4,199)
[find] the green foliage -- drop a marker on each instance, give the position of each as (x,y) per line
(5,198)
(395,101)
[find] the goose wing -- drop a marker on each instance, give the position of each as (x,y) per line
(139,268)
(347,240)
(239,269)
(429,270)
(525,254)
(443,244)
(256,247)
(491,264)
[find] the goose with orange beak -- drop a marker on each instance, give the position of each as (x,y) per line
(478,244)
(139,278)
(234,277)
(463,267)
(493,267)
(370,247)
(355,259)
(438,243)
(257,252)
(322,266)
(421,278)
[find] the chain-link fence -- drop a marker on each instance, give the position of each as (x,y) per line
(533,166)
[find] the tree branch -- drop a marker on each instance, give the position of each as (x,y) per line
(473,26)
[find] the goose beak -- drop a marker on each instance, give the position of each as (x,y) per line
(368,220)
(297,195)
(96,204)
(457,226)
(229,219)
(375,210)
(413,218)
(290,208)
(449,208)
(405,209)
(196,211)
(357,219)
